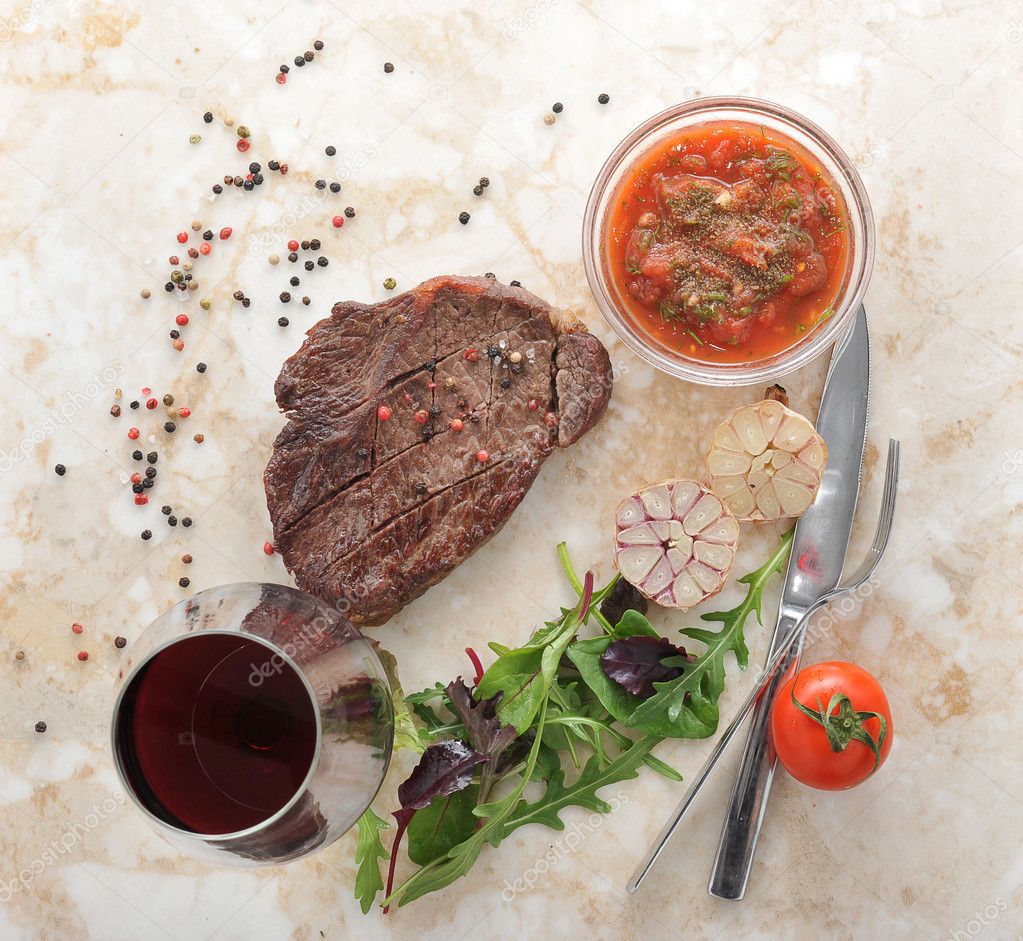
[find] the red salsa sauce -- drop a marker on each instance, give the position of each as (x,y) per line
(728,242)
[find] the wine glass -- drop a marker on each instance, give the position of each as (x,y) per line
(253,724)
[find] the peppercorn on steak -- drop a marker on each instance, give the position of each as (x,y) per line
(415,427)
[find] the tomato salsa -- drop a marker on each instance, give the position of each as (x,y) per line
(728,242)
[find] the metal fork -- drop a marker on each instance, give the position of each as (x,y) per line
(855,580)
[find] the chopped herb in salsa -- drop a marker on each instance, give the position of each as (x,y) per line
(729,242)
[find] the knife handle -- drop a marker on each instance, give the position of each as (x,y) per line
(748,801)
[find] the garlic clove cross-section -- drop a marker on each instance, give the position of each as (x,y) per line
(675,542)
(766,461)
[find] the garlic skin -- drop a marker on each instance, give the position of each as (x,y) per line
(675,542)
(766,462)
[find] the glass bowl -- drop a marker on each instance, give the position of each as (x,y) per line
(652,133)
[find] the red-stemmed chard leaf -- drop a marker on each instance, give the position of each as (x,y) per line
(445,767)
(635,663)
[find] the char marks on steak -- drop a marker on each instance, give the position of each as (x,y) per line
(369,513)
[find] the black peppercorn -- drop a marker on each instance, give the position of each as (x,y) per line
(238,295)
(484,182)
(208,117)
(152,457)
(60,470)
(292,256)
(172,520)
(166,510)
(137,488)
(306,301)
(246,301)
(321,184)
(505,383)
(322,261)
(218,189)
(174,334)
(314,244)
(207,235)
(350,212)
(434,411)
(294,282)
(493,352)
(477,191)
(318,44)
(557,107)
(515,284)
(258,179)
(248,185)
(273,164)
(603,97)
(282,321)
(186,521)
(147,534)
(133,405)
(335,187)
(147,483)
(304,244)
(169,426)
(168,286)
(463,217)
(308,55)
(330,150)
(120,642)
(200,367)
(136,455)
(309,265)
(254,167)
(285,297)
(299,61)
(40,727)
(388,67)
(285,68)
(150,471)
(183,581)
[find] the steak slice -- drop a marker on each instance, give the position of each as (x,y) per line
(415,427)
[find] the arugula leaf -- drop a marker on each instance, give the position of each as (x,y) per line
(443,823)
(368,852)
(459,859)
(697,691)
(581,793)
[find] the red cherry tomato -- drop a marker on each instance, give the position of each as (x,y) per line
(827,728)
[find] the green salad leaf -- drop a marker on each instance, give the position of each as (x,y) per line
(369,851)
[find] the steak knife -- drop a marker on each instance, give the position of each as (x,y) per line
(818,553)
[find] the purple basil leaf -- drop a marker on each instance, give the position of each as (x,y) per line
(635,663)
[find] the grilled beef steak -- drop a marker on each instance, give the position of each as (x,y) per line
(415,427)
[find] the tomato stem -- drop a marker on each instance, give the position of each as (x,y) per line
(846,724)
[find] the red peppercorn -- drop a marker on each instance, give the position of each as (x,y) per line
(383,412)
(337,221)
(482,456)
(532,405)
(136,478)
(77,628)
(179,345)
(184,411)
(146,390)
(151,404)
(182,237)
(181,320)
(293,245)
(284,168)
(268,548)
(551,420)
(242,145)
(471,355)
(174,260)
(422,416)
(141,499)
(225,233)
(133,433)
(193,253)
(83,655)
(456,424)
(205,248)
(281,78)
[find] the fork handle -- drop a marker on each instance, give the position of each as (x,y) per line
(748,801)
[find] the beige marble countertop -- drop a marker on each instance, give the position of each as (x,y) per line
(97,102)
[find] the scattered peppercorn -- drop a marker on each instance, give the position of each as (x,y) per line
(145,294)
(549,118)
(194,138)
(133,405)
(603,97)
(320,184)
(463,217)
(477,190)
(243,131)
(150,472)
(152,457)
(282,321)
(482,456)
(200,367)
(77,628)
(19,655)
(208,117)
(83,655)
(557,107)
(308,55)
(147,534)
(199,439)
(314,244)
(60,470)
(294,281)
(186,521)
(388,67)
(184,581)
(383,412)
(274,259)
(335,187)
(285,297)
(187,559)
(120,642)
(484,182)
(293,257)
(318,44)
(172,520)
(268,548)
(515,284)
(168,426)
(309,265)
(40,727)
(322,261)
(330,150)
(306,301)
(506,383)
(337,222)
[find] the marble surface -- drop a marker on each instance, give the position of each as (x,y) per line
(97,102)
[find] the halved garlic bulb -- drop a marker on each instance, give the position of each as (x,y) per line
(675,542)
(766,461)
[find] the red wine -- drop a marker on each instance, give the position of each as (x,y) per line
(216,733)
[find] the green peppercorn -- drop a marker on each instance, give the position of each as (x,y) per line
(390,284)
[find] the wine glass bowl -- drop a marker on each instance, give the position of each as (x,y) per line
(253,724)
